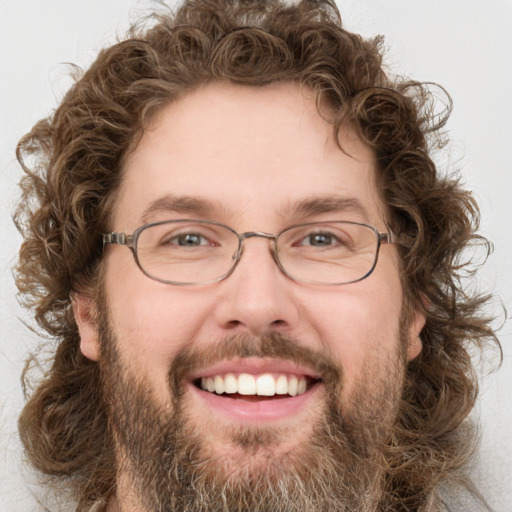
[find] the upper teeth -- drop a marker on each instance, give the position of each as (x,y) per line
(262,385)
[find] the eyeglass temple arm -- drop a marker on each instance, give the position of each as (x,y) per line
(387,238)
(117,238)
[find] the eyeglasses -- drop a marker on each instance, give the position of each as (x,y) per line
(194,252)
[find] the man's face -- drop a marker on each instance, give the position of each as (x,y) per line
(250,158)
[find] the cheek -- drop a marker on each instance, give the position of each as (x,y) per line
(359,323)
(152,321)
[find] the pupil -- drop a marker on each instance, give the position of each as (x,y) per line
(321,239)
(189,239)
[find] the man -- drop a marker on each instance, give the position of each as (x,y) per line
(234,229)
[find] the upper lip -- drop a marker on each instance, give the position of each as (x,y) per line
(255,366)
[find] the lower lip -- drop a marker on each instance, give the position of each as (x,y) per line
(266,410)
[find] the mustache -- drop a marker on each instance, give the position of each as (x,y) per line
(270,346)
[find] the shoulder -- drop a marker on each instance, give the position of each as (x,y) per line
(456,497)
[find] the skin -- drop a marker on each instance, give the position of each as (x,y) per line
(251,153)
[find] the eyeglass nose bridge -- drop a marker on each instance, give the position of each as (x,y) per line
(252,234)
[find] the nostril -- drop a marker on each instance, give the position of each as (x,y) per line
(233,324)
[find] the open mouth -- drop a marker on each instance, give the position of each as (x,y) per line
(246,386)
(255,391)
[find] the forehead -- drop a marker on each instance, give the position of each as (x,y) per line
(240,152)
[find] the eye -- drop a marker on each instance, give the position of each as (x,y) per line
(320,239)
(188,240)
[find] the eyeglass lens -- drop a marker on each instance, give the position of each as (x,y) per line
(193,252)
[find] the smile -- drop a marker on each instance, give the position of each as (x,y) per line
(246,384)
(255,390)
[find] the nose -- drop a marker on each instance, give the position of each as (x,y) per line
(257,298)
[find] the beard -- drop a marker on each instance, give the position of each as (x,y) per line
(164,461)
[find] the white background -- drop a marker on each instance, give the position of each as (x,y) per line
(465,45)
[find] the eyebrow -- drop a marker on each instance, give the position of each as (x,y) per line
(297,209)
(179,204)
(312,206)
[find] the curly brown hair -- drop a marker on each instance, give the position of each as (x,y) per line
(73,163)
